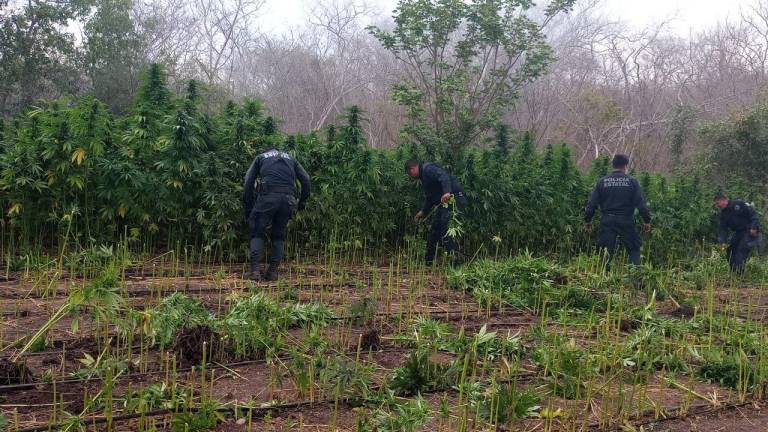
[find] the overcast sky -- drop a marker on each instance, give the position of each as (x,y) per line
(688,15)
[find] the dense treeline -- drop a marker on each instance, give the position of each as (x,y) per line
(168,172)
(609,88)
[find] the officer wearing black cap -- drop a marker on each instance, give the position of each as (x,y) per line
(618,195)
(741,218)
(439,187)
(273,204)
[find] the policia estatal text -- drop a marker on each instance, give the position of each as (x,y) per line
(273,203)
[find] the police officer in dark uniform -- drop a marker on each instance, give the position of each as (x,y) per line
(741,218)
(272,203)
(618,195)
(439,187)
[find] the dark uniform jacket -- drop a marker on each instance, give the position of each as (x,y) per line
(739,216)
(278,172)
(618,195)
(436,182)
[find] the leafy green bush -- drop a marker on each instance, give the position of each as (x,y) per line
(397,416)
(255,325)
(346,379)
(730,370)
(174,313)
(502,403)
(313,312)
(518,280)
(566,365)
(420,374)
(169,172)
(202,419)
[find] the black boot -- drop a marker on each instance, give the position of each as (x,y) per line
(271,274)
(277,256)
(255,273)
(257,253)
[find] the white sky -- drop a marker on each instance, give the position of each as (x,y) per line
(687,15)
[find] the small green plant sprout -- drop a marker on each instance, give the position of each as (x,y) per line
(347,380)
(101,366)
(363,310)
(201,419)
(174,313)
(420,374)
(501,403)
(405,416)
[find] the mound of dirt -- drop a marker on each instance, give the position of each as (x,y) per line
(370,340)
(628,325)
(684,311)
(14,373)
(188,344)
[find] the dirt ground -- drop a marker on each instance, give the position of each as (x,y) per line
(400,297)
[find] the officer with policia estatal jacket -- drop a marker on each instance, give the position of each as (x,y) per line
(741,218)
(618,195)
(273,203)
(439,187)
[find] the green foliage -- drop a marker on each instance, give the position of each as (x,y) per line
(202,419)
(102,297)
(113,53)
(166,172)
(152,397)
(310,313)
(102,367)
(467,63)
(731,367)
(681,128)
(358,192)
(518,280)
(37,53)
(487,346)
(363,310)
(420,374)
(503,403)
(397,416)
(738,152)
(346,379)
(566,365)
(255,325)
(430,333)
(174,313)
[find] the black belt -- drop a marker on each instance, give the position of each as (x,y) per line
(287,190)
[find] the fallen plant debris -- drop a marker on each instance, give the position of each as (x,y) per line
(14,373)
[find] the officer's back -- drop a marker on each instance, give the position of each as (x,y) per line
(277,172)
(618,194)
(738,215)
(437,181)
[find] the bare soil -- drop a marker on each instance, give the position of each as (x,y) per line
(259,383)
